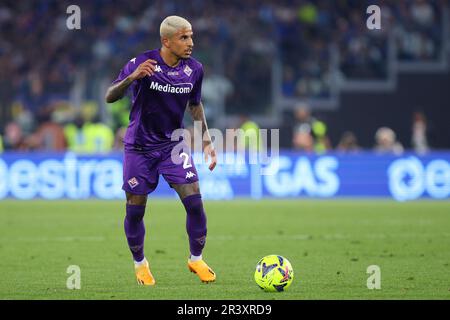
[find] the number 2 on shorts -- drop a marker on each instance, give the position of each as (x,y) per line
(186,160)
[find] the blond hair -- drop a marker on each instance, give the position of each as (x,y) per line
(172,24)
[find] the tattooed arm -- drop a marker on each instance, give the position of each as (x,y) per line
(117,91)
(198,114)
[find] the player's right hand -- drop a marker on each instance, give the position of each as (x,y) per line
(146,68)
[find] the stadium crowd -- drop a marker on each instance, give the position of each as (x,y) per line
(42,62)
(86,134)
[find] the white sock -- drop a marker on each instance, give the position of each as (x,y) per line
(195,258)
(140,263)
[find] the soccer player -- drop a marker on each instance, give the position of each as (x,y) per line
(163,83)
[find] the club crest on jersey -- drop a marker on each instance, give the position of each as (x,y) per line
(187,70)
(133,183)
(190,174)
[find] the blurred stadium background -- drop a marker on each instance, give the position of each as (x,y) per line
(310,68)
(361,113)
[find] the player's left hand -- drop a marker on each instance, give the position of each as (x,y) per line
(209,151)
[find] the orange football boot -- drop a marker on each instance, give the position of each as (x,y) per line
(143,275)
(202,270)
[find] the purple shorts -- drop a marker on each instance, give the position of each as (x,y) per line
(141,169)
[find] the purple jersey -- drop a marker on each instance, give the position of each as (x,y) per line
(159,101)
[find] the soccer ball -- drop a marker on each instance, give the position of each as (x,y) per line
(274,273)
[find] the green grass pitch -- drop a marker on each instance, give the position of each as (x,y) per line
(330,244)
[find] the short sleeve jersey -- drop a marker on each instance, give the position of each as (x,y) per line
(159,101)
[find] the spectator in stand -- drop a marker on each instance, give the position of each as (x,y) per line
(251,140)
(309,134)
(422,13)
(49,135)
(302,137)
(215,90)
(239,39)
(118,139)
(419,30)
(303,141)
(386,141)
(348,143)
(76,134)
(13,138)
(419,140)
